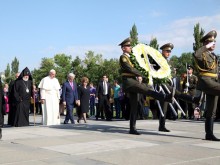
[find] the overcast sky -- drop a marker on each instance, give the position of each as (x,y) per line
(33,29)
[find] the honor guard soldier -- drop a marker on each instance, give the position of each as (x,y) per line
(207,65)
(166,51)
(133,87)
(190,85)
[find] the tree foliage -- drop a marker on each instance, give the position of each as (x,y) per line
(198,34)
(14,66)
(134,35)
(153,43)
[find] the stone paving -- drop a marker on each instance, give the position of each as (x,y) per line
(108,142)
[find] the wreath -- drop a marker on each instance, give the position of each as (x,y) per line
(140,59)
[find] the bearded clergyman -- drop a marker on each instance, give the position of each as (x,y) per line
(22,93)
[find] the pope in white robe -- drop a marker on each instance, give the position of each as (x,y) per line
(50,97)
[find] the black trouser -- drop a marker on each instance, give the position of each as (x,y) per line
(133,112)
(162,120)
(104,104)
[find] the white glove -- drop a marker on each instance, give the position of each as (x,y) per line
(187,84)
(209,45)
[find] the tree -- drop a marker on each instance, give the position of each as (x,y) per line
(198,34)
(63,66)
(8,76)
(180,63)
(77,68)
(153,43)
(14,66)
(46,65)
(134,35)
(93,66)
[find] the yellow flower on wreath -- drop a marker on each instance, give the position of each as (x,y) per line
(141,53)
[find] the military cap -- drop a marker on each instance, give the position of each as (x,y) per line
(190,67)
(167,46)
(209,36)
(127,41)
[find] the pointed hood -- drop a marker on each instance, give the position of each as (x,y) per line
(25,72)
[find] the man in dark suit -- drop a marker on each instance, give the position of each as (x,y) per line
(206,63)
(70,97)
(103,93)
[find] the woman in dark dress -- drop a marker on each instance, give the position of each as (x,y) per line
(84,96)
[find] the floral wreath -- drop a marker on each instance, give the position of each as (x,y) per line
(140,60)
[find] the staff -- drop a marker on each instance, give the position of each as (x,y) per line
(187,80)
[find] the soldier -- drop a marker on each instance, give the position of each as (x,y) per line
(190,84)
(206,63)
(166,51)
(132,86)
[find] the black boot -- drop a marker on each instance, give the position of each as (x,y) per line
(133,117)
(161,97)
(186,98)
(162,127)
(209,130)
(0,133)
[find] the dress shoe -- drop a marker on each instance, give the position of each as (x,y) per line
(211,137)
(108,119)
(163,129)
(134,132)
(65,122)
(77,120)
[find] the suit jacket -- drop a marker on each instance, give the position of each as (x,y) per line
(69,95)
(100,90)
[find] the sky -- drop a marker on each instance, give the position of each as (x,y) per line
(33,29)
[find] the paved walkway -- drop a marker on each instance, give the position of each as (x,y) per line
(106,143)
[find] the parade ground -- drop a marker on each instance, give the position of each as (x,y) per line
(108,142)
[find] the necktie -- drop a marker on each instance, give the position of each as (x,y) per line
(71,85)
(104,88)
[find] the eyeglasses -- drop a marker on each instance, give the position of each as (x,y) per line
(168,51)
(127,45)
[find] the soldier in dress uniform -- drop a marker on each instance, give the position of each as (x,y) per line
(206,63)
(132,86)
(190,84)
(166,51)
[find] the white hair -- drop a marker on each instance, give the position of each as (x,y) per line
(71,75)
(52,71)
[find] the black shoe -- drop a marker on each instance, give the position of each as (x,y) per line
(108,119)
(211,137)
(77,120)
(65,122)
(134,132)
(164,129)
(97,118)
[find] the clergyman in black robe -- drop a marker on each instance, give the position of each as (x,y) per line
(23,88)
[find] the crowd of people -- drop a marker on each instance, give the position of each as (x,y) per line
(131,100)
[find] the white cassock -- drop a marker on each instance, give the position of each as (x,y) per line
(49,90)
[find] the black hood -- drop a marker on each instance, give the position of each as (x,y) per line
(25,72)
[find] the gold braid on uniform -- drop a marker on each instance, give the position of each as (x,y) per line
(213,65)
